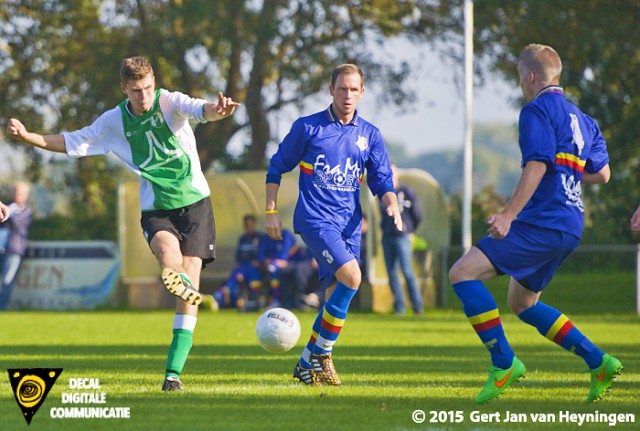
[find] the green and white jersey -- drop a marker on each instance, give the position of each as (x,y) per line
(159,146)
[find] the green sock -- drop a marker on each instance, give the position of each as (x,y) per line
(178,352)
(186,278)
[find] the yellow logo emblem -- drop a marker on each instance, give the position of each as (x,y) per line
(31,386)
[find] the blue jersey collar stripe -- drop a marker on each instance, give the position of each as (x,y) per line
(333,119)
(553,88)
(330,114)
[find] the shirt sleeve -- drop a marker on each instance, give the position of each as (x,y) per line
(536,137)
(379,175)
(185,106)
(289,154)
(598,156)
(90,140)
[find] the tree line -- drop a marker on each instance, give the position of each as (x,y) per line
(59,64)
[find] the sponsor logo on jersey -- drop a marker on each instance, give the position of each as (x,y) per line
(573,191)
(344,178)
(156,119)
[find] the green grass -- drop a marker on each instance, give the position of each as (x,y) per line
(390,366)
(575,293)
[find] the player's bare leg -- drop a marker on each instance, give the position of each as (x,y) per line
(175,276)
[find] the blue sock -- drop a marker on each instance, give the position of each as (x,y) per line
(558,328)
(333,315)
(481,309)
(222,296)
(306,353)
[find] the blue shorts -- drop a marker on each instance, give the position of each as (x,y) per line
(331,249)
(530,254)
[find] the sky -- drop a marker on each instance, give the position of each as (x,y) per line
(435,121)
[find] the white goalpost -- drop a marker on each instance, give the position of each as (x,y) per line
(468,109)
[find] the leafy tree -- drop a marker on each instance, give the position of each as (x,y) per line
(61,57)
(484,203)
(59,63)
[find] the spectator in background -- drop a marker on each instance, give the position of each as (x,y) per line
(296,276)
(273,256)
(362,262)
(245,279)
(364,269)
(18,222)
(635,220)
(4,212)
(397,247)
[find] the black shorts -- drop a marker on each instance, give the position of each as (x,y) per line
(193,225)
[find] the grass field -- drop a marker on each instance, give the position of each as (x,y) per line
(390,367)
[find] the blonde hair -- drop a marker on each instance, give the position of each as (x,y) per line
(543,60)
(135,69)
(346,69)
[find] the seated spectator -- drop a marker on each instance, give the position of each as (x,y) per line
(245,277)
(296,277)
(273,256)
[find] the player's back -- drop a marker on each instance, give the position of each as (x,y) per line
(554,131)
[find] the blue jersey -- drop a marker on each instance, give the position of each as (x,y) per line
(332,157)
(554,131)
(247,250)
(276,248)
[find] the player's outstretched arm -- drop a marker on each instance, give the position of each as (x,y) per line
(635,220)
(4,212)
(390,201)
(53,143)
(223,109)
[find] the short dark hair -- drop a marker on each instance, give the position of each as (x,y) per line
(248,217)
(135,69)
(346,69)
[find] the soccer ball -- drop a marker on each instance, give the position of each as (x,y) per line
(278,330)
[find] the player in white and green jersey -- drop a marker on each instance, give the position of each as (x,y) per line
(150,133)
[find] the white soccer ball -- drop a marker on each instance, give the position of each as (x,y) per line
(278,330)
